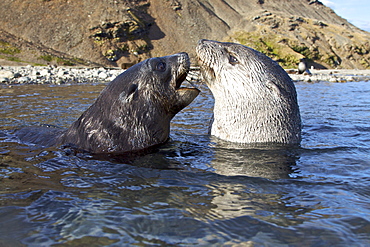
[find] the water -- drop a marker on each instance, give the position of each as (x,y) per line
(212,192)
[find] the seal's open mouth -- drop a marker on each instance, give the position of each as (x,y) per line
(180,80)
(184,95)
(206,59)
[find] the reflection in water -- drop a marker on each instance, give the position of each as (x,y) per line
(270,161)
(247,161)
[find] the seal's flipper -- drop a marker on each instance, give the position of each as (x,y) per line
(185,97)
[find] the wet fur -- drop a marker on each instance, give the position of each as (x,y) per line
(134,111)
(255,99)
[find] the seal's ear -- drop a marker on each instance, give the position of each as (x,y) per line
(130,94)
(273,88)
(132,91)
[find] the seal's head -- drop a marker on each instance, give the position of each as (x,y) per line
(134,111)
(255,99)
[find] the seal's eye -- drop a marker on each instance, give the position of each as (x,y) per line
(233,60)
(161,66)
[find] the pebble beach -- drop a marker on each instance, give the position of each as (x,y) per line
(55,75)
(71,75)
(331,75)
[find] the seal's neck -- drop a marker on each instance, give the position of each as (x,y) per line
(245,121)
(107,127)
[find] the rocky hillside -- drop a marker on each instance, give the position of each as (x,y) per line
(123,32)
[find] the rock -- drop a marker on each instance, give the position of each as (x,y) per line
(35,73)
(266,14)
(300,19)
(111,78)
(17,75)
(45,72)
(307,79)
(6,74)
(4,79)
(351,78)
(59,81)
(103,75)
(320,23)
(62,73)
(24,79)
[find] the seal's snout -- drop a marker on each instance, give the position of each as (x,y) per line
(183,66)
(184,59)
(202,41)
(184,95)
(206,41)
(184,54)
(206,58)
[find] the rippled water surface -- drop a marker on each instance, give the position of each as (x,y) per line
(211,193)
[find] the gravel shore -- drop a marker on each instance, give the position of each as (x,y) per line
(331,75)
(67,75)
(56,75)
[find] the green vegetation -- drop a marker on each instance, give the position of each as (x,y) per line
(8,52)
(365,63)
(11,58)
(58,60)
(271,46)
(142,49)
(332,60)
(78,61)
(16,59)
(124,48)
(304,50)
(361,50)
(288,61)
(6,48)
(47,58)
(64,61)
(312,54)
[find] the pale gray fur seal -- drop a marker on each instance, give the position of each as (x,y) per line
(134,111)
(302,67)
(255,99)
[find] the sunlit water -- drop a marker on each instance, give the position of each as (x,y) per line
(213,193)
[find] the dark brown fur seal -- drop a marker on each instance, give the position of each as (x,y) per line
(255,99)
(134,111)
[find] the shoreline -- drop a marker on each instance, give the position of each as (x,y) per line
(56,75)
(11,75)
(331,75)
